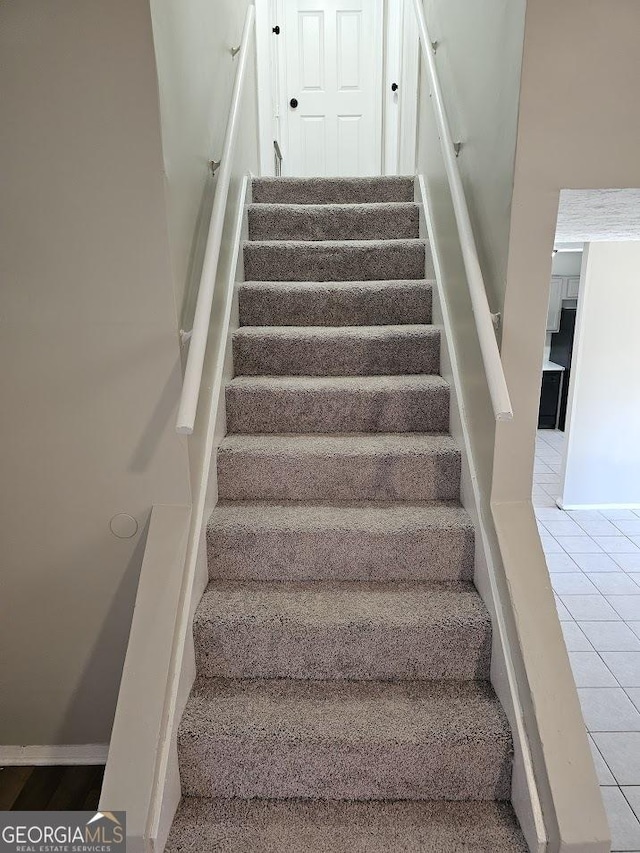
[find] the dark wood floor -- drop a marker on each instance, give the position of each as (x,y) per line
(50,788)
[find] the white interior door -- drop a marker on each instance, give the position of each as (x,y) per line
(332,88)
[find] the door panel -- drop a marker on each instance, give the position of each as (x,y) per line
(348,51)
(333,66)
(313,143)
(312,49)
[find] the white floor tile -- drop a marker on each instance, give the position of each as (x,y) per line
(621,751)
(611,636)
(628,562)
(563,613)
(574,638)
(632,796)
(617,545)
(548,452)
(589,608)
(634,694)
(542,501)
(585,515)
(572,583)
(589,670)
(617,513)
(541,477)
(608,709)
(564,527)
(538,490)
(596,563)
(627,606)
(614,583)
(624,825)
(605,776)
(551,545)
(552,491)
(579,544)
(625,666)
(562,563)
(550,513)
(598,527)
(630,527)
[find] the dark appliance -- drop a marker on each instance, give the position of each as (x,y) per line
(549,398)
(561,353)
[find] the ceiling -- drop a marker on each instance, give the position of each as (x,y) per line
(589,215)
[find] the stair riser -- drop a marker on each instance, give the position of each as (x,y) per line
(337,262)
(332,304)
(337,354)
(250,767)
(332,190)
(280,222)
(249,649)
(331,826)
(243,475)
(268,410)
(433,555)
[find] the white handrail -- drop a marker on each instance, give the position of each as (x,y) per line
(202,316)
(484,324)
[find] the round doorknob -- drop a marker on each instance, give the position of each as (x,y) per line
(293,103)
(394,87)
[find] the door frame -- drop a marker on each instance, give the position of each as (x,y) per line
(267,79)
(272,83)
(402,62)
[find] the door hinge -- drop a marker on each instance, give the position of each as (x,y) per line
(276,30)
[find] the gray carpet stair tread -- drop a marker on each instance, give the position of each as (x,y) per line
(293,540)
(342,700)
(387,221)
(363,466)
(336,260)
(302,826)
(306,404)
(346,711)
(357,740)
(342,630)
(336,350)
(334,303)
(332,190)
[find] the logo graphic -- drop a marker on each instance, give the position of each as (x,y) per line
(63,832)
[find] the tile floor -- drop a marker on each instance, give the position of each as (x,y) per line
(594,563)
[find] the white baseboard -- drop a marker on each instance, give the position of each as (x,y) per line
(524,792)
(577,507)
(39,756)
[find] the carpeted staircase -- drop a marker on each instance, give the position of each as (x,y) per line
(343,653)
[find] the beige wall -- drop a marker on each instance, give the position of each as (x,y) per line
(89,360)
(578,128)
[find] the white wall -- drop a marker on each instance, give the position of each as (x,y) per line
(193,41)
(89,357)
(602,465)
(566,263)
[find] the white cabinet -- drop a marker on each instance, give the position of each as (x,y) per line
(555,303)
(573,286)
(562,287)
